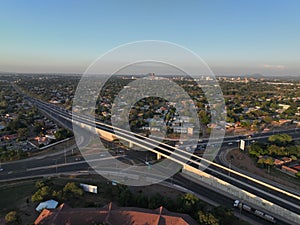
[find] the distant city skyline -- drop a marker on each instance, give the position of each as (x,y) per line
(232,37)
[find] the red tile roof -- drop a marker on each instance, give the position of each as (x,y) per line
(113,215)
(296,167)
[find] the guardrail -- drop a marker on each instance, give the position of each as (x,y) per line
(229,188)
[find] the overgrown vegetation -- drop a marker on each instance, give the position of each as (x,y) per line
(186,203)
(49,190)
(12,218)
(278,145)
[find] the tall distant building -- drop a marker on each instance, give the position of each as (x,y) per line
(151,76)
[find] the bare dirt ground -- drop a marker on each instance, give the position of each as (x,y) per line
(243,161)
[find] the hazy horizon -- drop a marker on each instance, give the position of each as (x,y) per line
(233,38)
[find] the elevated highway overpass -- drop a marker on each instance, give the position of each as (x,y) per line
(278,201)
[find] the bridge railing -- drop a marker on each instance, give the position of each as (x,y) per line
(237,193)
(229,188)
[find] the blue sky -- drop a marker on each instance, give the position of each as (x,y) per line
(232,37)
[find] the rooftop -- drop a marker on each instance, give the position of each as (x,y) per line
(112,215)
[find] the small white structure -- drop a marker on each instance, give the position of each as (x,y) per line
(89,188)
(242,145)
(50,204)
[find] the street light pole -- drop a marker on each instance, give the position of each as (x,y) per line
(65,156)
(229,166)
(55,165)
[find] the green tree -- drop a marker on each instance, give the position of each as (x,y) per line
(155,201)
(207,218)
(261,161)
(204,117)
(141,201)
(246,124)
(269,161)
(12,218)
(189,204)
(275,150)
(72,189)
(38,127)
(62,134)
(294,158)
(39,184)
(41,194)
(224,215)
(125,197)
(22,132)
(294,150)
(268,119)
(168,203)
(57,194)
(255,150)
(280,139)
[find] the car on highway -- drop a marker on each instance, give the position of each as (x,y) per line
(1,169)
(148,163)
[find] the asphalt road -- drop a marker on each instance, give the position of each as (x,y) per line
(216,197)
(61,164)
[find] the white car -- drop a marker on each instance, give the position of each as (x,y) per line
(1,169)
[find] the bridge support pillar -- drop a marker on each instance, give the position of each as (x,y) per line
(158,156)
(130,144)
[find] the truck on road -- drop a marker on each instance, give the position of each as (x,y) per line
(263,215)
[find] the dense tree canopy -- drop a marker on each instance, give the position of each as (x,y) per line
(280,139)
(279,145)
(12,218)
